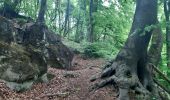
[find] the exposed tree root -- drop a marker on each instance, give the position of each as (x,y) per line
(161,86)
(103,83)
(130,70)
(126,81)
(109,76)
(159,72)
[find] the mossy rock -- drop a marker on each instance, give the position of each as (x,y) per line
(20,68)
(59,56)
(25,50)
(7,30)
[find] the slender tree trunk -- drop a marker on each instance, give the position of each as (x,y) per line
(79,23)
(167,12)
(85,18)
(129,70)
(66,25)
(77,36)
(41,14)
(104,37)
(59,15)
(154,54)
(81,30)
(91,26)
(93,8)
(82,20)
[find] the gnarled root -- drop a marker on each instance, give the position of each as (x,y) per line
(121,76)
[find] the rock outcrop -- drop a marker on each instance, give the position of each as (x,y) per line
(25,52)
(59,55)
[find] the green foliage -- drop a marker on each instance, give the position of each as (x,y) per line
(111,25)
(92,51)
(99,49)
(73,45)
(113,22)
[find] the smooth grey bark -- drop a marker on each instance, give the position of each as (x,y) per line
(130,69)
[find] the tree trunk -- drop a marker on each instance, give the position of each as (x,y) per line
(77,36)
(129,70)
(154,53)
(59,15)
(79,29)
(166,11)
(66,25)
(81,37)
(41,14)
(93,8)
(90,30)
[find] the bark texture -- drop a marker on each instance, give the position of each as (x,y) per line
(92,9)
(154,53)
(130,68)
(67,19)
(41,14)
(167,13)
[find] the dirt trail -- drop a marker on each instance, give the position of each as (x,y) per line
(66,85)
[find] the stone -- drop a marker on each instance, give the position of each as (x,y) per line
(25,51)
(6,30)
(20,68)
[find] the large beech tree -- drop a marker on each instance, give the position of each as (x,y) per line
(130,69)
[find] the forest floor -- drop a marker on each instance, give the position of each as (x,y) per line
(70,84)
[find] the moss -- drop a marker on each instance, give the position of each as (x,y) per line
(50,76)
(19,61)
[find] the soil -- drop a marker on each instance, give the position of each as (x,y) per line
(72,84)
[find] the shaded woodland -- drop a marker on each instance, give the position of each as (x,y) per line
(85,49)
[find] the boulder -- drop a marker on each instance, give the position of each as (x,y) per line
(20,68)
(6,30)
(20,65)
(55,52)
(26,50)
(59,56)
